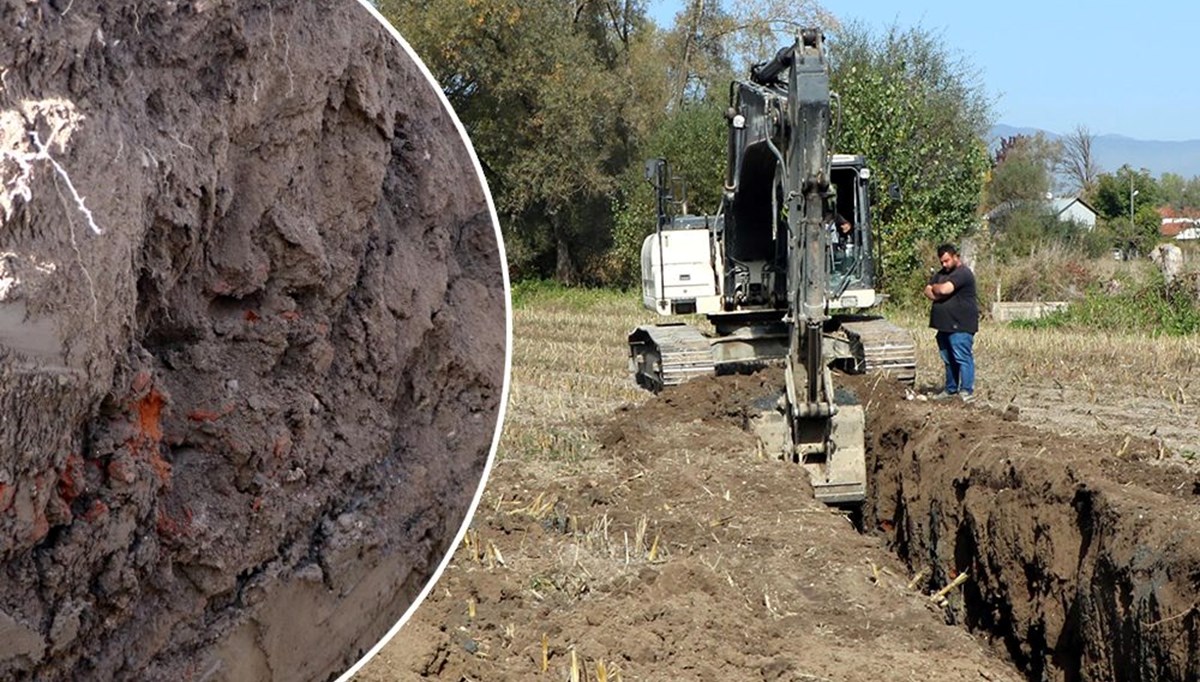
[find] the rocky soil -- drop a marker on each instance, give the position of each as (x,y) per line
(252,337)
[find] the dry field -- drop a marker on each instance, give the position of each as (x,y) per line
(627,537)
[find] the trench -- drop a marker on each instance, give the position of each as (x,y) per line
(1082,554)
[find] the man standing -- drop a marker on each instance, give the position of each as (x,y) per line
(955,315)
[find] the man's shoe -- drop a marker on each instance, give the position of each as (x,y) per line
(968,397)
(942,396)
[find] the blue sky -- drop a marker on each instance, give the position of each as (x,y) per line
(1128,68)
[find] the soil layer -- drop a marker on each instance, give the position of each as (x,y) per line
(1083,553)
(251,337)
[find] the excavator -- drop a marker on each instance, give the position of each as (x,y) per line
(775,279)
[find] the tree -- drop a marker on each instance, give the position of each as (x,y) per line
(693,141)
(1078,161)
(1171,188)
(550,93)
(919,114)
(712,41)
(1023,170)
(1114,192)
(1191,193)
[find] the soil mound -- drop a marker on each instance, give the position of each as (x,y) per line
(252,327)
(680,551)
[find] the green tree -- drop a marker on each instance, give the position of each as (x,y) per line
(1191,193)
(1171,188)
(1114,191)
(919,114)
(693,142)
(1023,170)
(551,94)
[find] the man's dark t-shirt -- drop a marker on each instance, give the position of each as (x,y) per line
(959,312)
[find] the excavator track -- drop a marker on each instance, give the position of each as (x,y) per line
(668,355)
(882,347)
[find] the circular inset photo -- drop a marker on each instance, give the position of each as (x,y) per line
(253,337)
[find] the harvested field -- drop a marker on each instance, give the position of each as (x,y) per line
(624,536)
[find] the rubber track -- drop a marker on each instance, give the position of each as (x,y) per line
(883,347)
(683,351)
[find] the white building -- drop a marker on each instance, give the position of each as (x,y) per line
(1074,209)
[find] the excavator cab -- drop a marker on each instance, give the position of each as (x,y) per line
(850,265)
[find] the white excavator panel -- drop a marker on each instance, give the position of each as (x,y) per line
(677,273)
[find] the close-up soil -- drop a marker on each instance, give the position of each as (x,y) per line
(682,550)
(252,337)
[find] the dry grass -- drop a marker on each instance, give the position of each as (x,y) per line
(570,367)
(1011,359)
(570,363)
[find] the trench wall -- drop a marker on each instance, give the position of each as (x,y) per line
(1083,562)
(243,417)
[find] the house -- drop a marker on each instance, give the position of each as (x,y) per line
(1179,225)
(1074,209)
(1067,209)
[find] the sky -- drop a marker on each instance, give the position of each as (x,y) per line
(1122,68)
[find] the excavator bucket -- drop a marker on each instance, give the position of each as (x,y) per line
(840,475)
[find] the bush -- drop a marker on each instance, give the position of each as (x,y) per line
(1128,307)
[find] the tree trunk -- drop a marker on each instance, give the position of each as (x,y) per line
(685,66)
(564,266)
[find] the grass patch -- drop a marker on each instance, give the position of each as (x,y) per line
(536,292)
(1151,309)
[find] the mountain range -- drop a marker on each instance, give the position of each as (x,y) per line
(1113,151)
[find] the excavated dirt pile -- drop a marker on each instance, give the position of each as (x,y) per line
(1082,554)
(251,337)
(681,550)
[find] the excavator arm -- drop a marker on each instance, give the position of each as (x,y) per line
(806,184)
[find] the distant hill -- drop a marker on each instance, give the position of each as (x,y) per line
(1114,151)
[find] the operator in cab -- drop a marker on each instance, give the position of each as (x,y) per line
(842,239)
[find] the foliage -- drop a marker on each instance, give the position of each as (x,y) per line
(1114,191)
(1028,227)
(1022,170)
(919,114)
(1054,271)
(712,42)
(1152,308)
(528,293)
(693,143)
(1171,188)
(550,95)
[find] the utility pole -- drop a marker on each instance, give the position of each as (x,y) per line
(1132,193)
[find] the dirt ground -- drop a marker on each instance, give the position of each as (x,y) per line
(683,552)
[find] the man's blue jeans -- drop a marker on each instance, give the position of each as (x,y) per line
(959,359)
